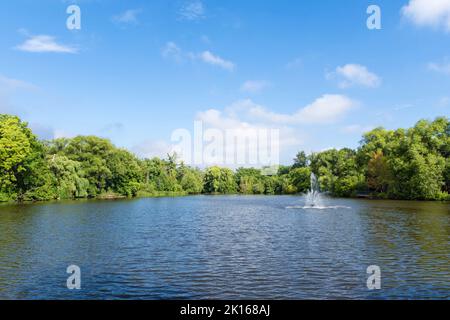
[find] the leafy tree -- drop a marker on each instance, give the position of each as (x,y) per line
(300,160)
(219,180)
(192,181)
(126,174)
(447,175)
(162,175)
(68,177)
(249,181)
(285,185)
(93,153)
(271,185)
(301,179)
(379,174)
(16,148)
(338,171)
(23,172)
(409,163)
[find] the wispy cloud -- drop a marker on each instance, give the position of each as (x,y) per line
(153,148)
(327,109)
(294,64)
(230,120)
(440,67)
(354,75)
(443,102)
(192,10)
(254,86)
(210,58)
(128,17)
(5,106)
(205,39)
(44,132)
(428,13)
(113,128)
(244,115)
(9,87)
(403,107)
(45,43)
(10,84)
(357,129)
(173,52)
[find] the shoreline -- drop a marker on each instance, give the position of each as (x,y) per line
(112,197)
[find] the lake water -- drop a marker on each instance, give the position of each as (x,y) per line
(225,247)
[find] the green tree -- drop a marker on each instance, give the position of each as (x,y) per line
(126,174)
(192,181)
(301,179)
(379,174)
(23,171)
(161,175)
(93,153)
(219,180)
(68,177)
(300,160)
(15,149)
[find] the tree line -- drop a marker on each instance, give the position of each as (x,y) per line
(409,164)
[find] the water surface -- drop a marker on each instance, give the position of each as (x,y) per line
(225,247)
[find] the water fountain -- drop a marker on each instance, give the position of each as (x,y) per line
(313,198)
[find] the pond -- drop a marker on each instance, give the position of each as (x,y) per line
(225,247)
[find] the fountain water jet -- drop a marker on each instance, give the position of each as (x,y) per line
(313,198)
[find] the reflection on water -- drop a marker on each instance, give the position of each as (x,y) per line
(225,247)
(317,207)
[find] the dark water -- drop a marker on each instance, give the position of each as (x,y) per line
(226,248)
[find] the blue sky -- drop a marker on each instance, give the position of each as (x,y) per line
(138,70)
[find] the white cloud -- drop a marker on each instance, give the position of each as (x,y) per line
(428,13)
(327,109)
(45,43)
(227,120)
(215,60)
(440,67)
(128,17)
(355,75)
(246,117)
(254,86)
(172,51)
(193,10)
